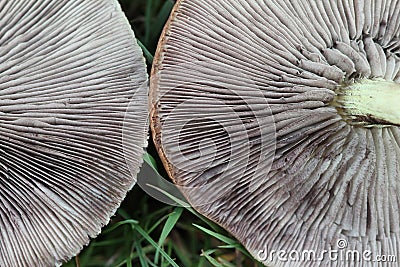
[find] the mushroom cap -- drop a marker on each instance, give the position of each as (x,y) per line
(73,82)
(244,118)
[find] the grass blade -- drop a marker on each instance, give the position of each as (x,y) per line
(168,226)
(229,241)
(141,255)
(118,224)
(149,57)
(213,261)
(223,238)
(150,160)
(141,231)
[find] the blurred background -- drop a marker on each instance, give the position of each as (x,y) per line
(146,232)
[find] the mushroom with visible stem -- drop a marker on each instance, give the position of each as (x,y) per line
(73,124)
(279,120)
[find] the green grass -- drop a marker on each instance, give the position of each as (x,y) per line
(144,231)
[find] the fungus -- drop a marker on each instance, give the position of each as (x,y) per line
(70,72)
(279,120)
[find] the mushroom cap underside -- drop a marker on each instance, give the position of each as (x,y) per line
(73,124)
(245,118)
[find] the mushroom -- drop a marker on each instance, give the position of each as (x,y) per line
(73,81)
(279,120)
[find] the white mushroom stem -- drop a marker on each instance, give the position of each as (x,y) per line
(370,103)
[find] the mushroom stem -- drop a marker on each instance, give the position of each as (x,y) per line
(369,103)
